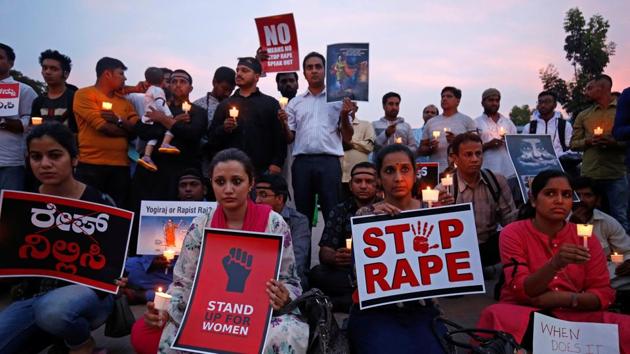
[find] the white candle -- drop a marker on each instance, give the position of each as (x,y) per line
(186,107)
(169,254)
(234,112)
(617,259)
(447,182)
(107,106)
(36,120)
(436,134)
(598,131)
(502,131)
(585,231)
(430,195)
(349,243)
(447,129)
(283,102)
(398,140)
(162,301)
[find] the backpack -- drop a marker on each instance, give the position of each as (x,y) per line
(561,131)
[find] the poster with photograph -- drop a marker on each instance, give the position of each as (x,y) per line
(163,224)
(347,72)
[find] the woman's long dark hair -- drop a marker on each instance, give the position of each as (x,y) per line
(527,211)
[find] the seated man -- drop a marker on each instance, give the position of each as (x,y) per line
(334,273)
(273,190)
(609,231)
(148,272)
(488,192)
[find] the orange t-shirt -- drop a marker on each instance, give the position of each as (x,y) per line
(95,147)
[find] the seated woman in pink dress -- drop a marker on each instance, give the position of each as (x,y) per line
(547,267)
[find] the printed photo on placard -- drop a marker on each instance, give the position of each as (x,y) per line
(348,71)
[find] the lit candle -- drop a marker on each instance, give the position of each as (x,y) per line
(169,254)
(398,140)
(598,131)
(283,102)
(186,107)
(107,106)
(585,231)
(162,301)
(617,259)
(447,182)
(36,120)
(234,112)
(349,243)
(502,131)
(447,129)
(430,196)
(436,134)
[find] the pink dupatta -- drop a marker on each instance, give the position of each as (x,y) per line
(256,217)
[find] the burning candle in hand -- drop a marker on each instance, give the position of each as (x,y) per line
(283,102)
(502,131)
(598,131)
(234,112)
(447,182)
(585,231)
(36,120)
(169,254)
(430,195)
(617,259)
(186,107)
(436,134)
(162,301)
(349,243)
(398,140)
(106,106)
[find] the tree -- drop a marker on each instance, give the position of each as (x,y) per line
(38,86)
(588,52)
(520,115)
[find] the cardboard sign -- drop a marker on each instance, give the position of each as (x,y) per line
(163,225)
(416,254)
(9,99)
(228,310)
(67,239)
(427,175)
(348,72)
(552,335)
(278,36)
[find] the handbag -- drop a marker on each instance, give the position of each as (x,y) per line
(325,337)
(121,319)
(482,341)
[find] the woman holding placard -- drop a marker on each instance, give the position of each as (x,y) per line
(52,309)
(232,176)
(548,267)
(403,327)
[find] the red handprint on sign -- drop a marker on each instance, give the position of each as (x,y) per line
(421,241)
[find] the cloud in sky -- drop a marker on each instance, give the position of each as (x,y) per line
(416,47)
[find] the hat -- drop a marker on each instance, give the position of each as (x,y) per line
(277,183)
(490,92)
(251,63)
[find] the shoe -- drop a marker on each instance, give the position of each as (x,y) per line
(168,149)
(147,163)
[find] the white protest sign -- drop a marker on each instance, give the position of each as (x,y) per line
(163,225)
(9,99)
(552,335)
(416,254)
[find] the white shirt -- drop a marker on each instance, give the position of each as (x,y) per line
(496,159)
(316,125)
(458,123)
(155,98)
(12,147)
(551,128)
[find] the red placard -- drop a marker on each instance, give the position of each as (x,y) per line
(278,36)
(228,310)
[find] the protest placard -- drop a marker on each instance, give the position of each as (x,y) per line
(9,99)
(348,71)
(163,225)
(228,310)
(277,35)
(67,239)
(552,335)
(416,254)
(427,175)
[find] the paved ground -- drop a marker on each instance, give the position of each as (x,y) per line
(463,310)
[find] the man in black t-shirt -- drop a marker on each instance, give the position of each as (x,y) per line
(56,103)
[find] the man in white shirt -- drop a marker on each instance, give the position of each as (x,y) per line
(317,130)
(492,127)
(546,120)
(13,123)
(392,129)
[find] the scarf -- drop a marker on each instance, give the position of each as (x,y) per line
(256,217)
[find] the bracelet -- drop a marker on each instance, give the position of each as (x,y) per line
(574,300)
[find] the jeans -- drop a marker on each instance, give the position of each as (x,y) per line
(615,199)
(70,313)
(12,177)
(316,174)
(148,280)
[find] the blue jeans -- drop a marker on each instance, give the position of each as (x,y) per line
(139,275)
(12,177)
(70,313)
(615,192)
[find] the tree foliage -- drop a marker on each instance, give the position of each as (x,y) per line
(38,86)
(588,51)
(520,115)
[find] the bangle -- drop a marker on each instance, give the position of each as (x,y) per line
(574,300)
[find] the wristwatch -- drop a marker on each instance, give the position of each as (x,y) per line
(119,123)
(3,123)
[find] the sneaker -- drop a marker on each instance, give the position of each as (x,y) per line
(168,149)
(147,163)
